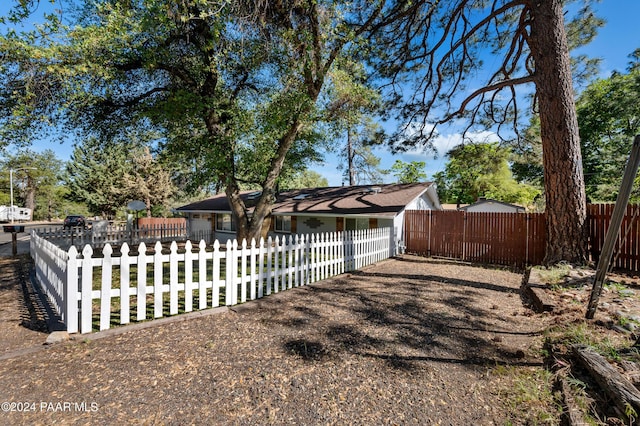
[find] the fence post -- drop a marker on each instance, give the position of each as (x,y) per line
(229,260)
(243,271)
(253,276)
(125,309)
(157,281)
(290,266)
(173,279)
(105,288)
(276,265)
(261,274)
(297,273)
(188,276)
(215,277)
(87,287)
(70,313)
(141,293)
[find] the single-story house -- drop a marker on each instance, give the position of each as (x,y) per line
(492,206)
(315,210)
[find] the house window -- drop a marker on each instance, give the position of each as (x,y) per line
(225,222)
(283,223)
(355,223)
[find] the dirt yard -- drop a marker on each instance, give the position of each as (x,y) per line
(408,341)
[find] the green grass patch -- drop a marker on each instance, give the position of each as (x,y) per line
(529,396)
(553,274)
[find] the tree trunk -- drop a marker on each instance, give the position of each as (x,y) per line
(49,209)
(30,195)
(265,203)
(350,155)
(566,210)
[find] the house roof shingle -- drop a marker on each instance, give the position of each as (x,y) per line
(384,200)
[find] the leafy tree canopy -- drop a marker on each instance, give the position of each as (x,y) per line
(481,170)
(36,181)
(609,118)
(409,172)
(94,176)
(305,179)
(239,89)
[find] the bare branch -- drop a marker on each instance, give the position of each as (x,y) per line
(109,102)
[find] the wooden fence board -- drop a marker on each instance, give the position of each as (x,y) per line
(627,248)
(514,238)
(497,238)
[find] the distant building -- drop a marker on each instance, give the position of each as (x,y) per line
(492,206)
(453,206)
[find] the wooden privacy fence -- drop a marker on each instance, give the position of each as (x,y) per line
(626,254)
(514,239)
(96,290)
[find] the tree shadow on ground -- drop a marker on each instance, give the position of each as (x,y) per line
(392,317)
(27,308)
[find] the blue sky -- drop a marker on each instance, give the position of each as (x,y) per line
(616,40)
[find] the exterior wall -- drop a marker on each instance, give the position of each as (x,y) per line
(299,225)
(200,222)
(312,224)
(398,227)
(385,223)
(421,203)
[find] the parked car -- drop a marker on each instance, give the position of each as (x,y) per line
(74,221)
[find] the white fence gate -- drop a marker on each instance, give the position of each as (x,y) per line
(96,290)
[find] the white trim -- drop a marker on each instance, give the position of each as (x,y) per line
(373,216)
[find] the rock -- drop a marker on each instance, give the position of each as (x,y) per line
(57,337)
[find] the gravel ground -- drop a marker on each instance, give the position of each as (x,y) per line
(22,322)
(408,341)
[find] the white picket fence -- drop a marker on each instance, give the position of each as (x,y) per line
(86,287)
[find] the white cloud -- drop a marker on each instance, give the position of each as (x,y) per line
(443,143)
